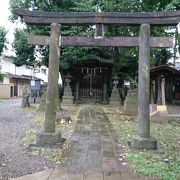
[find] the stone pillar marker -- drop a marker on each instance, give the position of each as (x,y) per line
(77,90)
(52,90)
(143,139)
(104,91)
(105,88)
(49,136)
(67,99)
(143,81)
(162,109)
(115,99)
(159,98)
(163,91)
(131,102)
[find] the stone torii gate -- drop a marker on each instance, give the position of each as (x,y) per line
(143,139)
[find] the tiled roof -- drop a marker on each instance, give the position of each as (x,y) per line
(166,67)
(20,77)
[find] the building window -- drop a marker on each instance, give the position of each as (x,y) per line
(43,71)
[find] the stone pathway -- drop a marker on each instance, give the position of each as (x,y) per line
(93,154)
(93,143)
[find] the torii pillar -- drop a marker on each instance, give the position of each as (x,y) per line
(143,139)
(50,136)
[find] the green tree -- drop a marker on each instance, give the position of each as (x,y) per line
(3,33)
(24,52)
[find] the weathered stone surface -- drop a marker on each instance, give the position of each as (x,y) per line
(26,95)
(102,42)
(143,140)
(144,143)
(143,82)
(58,174)
(95,175)
(25,102)
(115,99)
(67,99)
(110,165)
(48,138)
(43,175)
(112,176)
(52,89)
(75,177)
(42,105)
(131,101)
(45,18)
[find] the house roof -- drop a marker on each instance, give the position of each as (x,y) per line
(165,67)
(20,76)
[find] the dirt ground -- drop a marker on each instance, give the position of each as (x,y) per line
(15,160)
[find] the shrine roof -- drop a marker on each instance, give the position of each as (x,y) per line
(164,68)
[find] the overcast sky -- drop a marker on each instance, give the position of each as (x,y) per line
(4,14)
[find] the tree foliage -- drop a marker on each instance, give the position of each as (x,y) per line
(24,52)
(3,33)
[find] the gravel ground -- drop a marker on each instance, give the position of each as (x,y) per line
(14,159)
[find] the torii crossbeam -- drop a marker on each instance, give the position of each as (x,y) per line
(161,42)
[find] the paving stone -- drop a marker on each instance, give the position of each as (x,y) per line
(75,177)
(110,165)
(108,154)
(85,132)
(43,175)
(94,160)
(93,175)
(58,174)
(112,176)
(95,147)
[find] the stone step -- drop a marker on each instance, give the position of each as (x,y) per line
(42,175)
(61,174)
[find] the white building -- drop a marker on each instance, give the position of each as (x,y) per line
(16,78)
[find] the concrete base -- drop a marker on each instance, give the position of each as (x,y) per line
(67,102)
(144,143)
(163,113)
(48,138)
(160,117)
(115,103)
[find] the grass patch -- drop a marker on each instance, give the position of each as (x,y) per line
(29,137)
(40,119)
(26,109)
(74,116)
(152,164)
(2,100)
(54,155)
(163,163)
